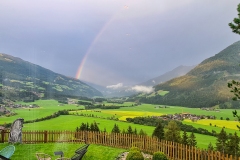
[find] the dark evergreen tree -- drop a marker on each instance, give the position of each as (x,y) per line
(95,126)
(210,147)
(82,127)
(192,140)
(158,131)
(185,138)
(233,145)
(142,133)
(115,129)
(129,130)
(172,132)
(235,26)
(123,131)
(135,131)
(221,141)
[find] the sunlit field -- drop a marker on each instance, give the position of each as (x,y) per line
(106,118)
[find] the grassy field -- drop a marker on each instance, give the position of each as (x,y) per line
(27,151)
(70,122)
(47,107)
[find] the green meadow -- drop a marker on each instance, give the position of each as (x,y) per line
(27,151)
(103,118)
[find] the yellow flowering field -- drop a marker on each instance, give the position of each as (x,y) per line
(218,123)
(130,114)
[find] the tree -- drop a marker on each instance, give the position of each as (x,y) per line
(235,85)
(115,129)
(135,131)
(129,130)
(221,141)
(158,132)
(210,147)
(192,140)
(235,26)
(142,133)
(233,145)
(172,132)
(185,138)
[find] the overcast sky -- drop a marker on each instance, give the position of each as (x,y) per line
(123,42)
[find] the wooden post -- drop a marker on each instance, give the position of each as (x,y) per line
(2,134)
(45,136)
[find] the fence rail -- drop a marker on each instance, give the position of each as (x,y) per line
(174,151)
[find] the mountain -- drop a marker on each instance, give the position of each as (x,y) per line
(145,87)
(176,72)
(20,78)
(205,85)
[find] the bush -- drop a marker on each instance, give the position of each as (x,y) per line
(159,156)
(135,149)
(135,155)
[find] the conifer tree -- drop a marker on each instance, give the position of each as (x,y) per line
(135,131)
(172,132)
(142,133)
(95,126)
(192,140)
(221,141)
(185,138)
(235,26)
(210,147)
(82,127)
(123,131)
(233,145)
(158,131)
(129,130)
(115,129)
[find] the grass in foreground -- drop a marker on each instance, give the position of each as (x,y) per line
(27,151)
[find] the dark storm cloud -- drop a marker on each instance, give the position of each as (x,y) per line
(129,42)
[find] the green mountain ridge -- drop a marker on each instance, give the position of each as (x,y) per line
(21,79)
(206,84)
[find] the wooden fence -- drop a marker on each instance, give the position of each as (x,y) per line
(174,151)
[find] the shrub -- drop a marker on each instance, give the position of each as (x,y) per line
(159,156)
(135,149)
(135,155)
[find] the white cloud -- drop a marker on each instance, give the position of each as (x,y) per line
(142,89)
(116,86)
(153,81)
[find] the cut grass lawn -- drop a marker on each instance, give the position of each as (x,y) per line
(27,151)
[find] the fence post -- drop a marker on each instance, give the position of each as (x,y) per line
(2,134)
(45,136)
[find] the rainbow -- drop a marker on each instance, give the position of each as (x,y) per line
(80,68)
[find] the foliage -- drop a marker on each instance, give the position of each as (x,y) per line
(192,140)
(116,129)
(221,141)
(158,132)
(210,147)
(154,121)
(232,146)
(159,156)
(129,130)
(85,127)
(135,155)
(184,138)
(172,132)
(235,26)
(134,149)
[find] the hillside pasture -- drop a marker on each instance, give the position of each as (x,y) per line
(47,107)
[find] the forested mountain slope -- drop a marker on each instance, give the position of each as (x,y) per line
(206,84)
(22,79)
